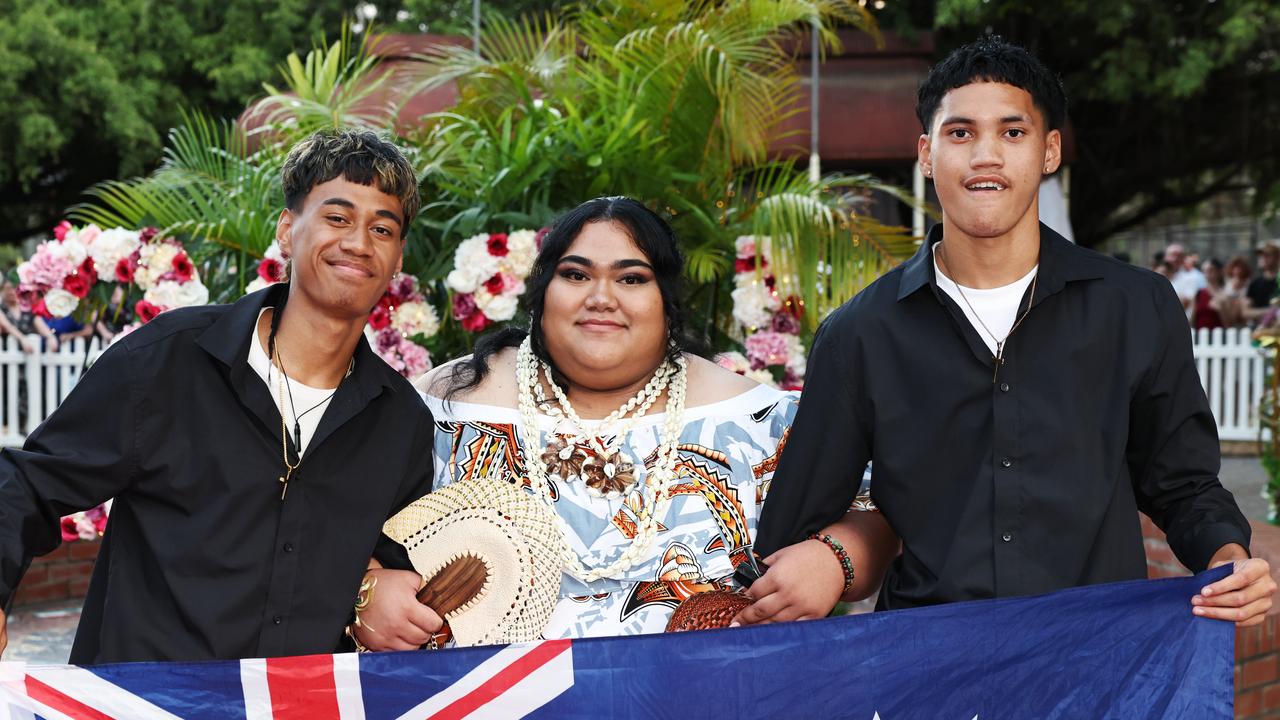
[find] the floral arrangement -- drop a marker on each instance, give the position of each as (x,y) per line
(87,525)
(78,262)
(403,313)
(397,325)
(488,276)
(770,323)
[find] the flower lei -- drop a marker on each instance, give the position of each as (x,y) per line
(655,495)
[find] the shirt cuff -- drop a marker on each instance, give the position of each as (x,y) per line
(1199,549)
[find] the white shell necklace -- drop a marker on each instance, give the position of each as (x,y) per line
(660,477)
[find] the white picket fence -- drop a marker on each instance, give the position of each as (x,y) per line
(47,376)
(1231,370)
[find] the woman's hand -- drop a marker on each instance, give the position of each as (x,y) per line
(804,582)
(394,619)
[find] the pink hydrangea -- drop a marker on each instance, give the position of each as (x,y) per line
(768,348)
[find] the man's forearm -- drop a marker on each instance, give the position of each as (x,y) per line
(871,546)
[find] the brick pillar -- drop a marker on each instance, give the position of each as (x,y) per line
(61,575)
(1257,672)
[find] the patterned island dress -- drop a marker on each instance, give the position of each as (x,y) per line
(727,455)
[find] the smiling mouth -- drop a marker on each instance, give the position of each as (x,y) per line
(599,325)
(351,268)
(985,186)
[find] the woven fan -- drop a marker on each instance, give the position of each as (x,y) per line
(707,610)
(491,553)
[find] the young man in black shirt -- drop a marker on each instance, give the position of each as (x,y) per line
(1022,398)
(243,518)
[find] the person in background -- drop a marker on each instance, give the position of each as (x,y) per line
(14,320)
(1187,282)
(1263,287)
(1214,306)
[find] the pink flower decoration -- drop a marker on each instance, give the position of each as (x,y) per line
(61,229)
(768,348)
(498,245)
(464,304)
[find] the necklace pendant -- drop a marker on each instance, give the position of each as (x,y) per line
(284,486)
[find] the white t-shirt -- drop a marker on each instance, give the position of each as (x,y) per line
(305,397)
(998,308)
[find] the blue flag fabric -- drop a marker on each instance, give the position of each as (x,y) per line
(1128,650)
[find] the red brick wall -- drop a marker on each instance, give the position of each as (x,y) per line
(60,575)
(1257,675)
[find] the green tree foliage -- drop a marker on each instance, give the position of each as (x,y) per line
(88,90)
(1172,102)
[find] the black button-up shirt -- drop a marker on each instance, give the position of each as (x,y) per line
(201,558)
(1025,484)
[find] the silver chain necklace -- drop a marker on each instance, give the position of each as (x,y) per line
(998,359)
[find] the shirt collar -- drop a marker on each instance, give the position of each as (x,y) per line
(229,337)
(1061,261)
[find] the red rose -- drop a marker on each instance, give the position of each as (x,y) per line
(182,267)
(498,244)
(537,237)
(769,281)
(39,309)
(495,284)
(125,268)
(271,270)
(61,229)
(89,270)
(387,301)
(380,318)
(146,311)
(742,265)
(148,233)
(76,284)
(69,531)
(476,322)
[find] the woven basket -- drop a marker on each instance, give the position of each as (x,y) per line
(707,610)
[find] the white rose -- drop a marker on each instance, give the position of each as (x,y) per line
(764,377)
(192,293)
(473,256)
(497,307)
(155,260)
(60,303)
(112,246)
(463,281)
(73,251)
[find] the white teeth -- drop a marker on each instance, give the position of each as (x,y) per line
(985,186)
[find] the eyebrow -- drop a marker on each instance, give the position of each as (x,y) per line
(960,120)
(343,202)
(617,265)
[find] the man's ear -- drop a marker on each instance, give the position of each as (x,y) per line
(1052,152)
(924,155)
(284,232)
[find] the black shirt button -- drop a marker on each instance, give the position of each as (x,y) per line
(277,620)
(288,547)
(1004,387)
(1007,537)
(1006,462)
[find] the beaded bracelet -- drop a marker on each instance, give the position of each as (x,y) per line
(846,565)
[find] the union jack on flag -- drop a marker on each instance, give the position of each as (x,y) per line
(508,682)
(1052,656)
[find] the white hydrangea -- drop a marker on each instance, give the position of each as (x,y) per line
(749,245)
(521,252)
(60,303)
(497,307)
(762,376)
(795,359)
(171,294)
(193,293)
(112,246)
(754,305)
(70,249)
(413,318)
(463,281)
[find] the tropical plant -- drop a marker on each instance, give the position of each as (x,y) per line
(675,103)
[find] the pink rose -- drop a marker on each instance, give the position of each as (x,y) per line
(464,304)
(476,322)
(61,229)
(380,318)
(89,234)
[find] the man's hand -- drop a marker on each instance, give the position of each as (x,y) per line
(394,619)
(803,582)
(1244,596)
(4,633)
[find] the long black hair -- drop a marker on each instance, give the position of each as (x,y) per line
(651,234)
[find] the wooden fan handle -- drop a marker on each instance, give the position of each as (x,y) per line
(454,585)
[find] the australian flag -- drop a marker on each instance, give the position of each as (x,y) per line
(1128,650)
